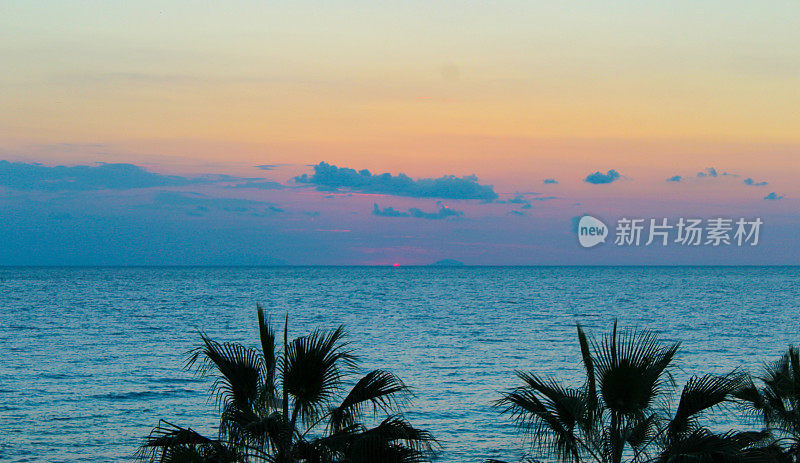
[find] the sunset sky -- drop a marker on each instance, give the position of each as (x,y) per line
(190,99)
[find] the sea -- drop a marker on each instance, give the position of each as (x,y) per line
(92,358)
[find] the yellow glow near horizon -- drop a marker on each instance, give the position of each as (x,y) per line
(363,75)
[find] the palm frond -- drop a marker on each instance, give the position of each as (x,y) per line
(258,433)
(702,393)
(588,364)
(168,443)
(239,368)
(312,371)
(394,440)
(378,389)
(703,446)
(550,413)
(267,337)
(632,369)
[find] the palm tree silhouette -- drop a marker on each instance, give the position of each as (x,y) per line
(777,402)
(292,406)
(621,410)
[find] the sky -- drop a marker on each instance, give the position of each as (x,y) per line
(257,133)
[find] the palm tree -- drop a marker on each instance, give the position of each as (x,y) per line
(292,406)
(777,402)
(621,410)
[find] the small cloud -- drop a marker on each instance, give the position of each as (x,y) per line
(388,212)
(197,204)
(709,172)
(35,176)
(675,178)
(261,185)
(517,199)
(598,178)
(550,181)
(444,212)
(328,177)
(518,213)
(751,182)
(544,198)
(526,206)
(268,166)
(773,197)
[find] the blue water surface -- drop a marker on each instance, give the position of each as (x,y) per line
(91,358)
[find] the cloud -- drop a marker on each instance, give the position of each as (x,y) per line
(517,199)
(675,178)
(709,172)
(550,181)
(35,176)
(712,173)
(773,196)
(598,178)
(751,182)
(444,212)
(260,184)
(518,213)
(198,205)
(330,177)
(520,198)
(388,212)
(268,166)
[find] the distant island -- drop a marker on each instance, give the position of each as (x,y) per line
(448,263)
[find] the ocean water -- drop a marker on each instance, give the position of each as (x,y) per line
(91,358)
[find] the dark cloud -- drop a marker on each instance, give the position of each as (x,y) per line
(773,196)
(331,178)
(751,182)
(598,178)
(260,184)
(443,213)
(196,204)
(524,201)
(675,178)
(388,212)
(34,176)
(709,172)
(517,199)
(550,181)
(268,166)
(712,173)
(518,213)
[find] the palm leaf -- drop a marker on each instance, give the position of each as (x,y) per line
(701,394)
(549,412)
(632,370)
(378,389)
(267,337)
(312,371)
(239,369)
